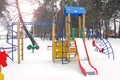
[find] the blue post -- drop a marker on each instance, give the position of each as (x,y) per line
(63,46)
(12,42)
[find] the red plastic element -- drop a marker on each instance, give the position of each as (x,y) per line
(88,57)
(81,67)
(94,44)
(3,58)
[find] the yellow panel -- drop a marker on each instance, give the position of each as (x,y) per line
(60,44)
(72,50)
(59,49)
(59,55)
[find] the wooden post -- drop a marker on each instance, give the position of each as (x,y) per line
(69,37)
(18,37)
(79,25)
(66,27)
(53,42)
(83,25)
(22,54)
(69,28)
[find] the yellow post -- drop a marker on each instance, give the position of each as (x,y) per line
(53,42)
(1,74)
(18,36)
(79,25)
(22,54)
(83,25)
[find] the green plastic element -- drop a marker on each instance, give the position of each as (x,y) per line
(33,47)
(81,33)
(73,33)
(36,47)
(29,47)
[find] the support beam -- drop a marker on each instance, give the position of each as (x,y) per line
(83,25)
(53,42)
(18,37)
(79,25)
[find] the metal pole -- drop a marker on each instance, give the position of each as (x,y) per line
(12,42)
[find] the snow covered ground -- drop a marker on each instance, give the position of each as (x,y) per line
(39,65)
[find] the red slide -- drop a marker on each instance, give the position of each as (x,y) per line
(83,58)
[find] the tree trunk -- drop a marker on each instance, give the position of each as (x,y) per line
(106,30)
(114,28)
(119,30)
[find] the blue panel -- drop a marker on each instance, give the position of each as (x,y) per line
(74,10)
(35,23)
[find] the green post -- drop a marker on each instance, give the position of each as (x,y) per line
(81,33)
(73,33)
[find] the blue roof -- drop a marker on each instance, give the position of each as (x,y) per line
(74,10)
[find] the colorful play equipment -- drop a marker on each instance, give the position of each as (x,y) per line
(73,41)
(9,40)
(8,50)
(20,38)
(96,47)
(15,34)
(104,46)
(3,58)
(23,29)
(32,47)
(1,74)
(83,58)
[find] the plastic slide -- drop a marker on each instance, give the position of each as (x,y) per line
(83,58)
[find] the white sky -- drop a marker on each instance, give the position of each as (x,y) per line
(27,7)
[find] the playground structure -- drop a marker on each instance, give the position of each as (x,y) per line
(20,37)
(19,46)
(64,49)
(96,47)
(104,46)
(16,32)
(67,48)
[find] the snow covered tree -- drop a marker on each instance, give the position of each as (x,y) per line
(3,4)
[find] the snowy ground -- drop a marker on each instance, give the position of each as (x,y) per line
(39,65)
